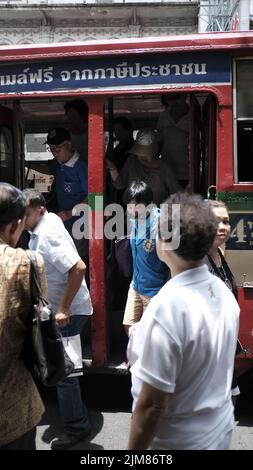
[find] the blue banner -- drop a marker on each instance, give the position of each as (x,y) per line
(116,72)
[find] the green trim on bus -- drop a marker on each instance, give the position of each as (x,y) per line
(237,201)
(96,202)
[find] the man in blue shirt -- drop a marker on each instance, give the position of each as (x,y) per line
(71,179)
(71,176)
(149,273)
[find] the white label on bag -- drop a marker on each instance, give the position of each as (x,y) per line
(73,348)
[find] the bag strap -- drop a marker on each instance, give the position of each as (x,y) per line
(35,280)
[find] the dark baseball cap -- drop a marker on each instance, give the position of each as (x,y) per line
(57,135)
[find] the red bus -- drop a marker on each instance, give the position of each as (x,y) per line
(127,78)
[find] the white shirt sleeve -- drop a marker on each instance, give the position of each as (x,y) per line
(161,359)
(57,250)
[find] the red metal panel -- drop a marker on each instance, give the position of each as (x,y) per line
(194,144)
(246,319)
(220,91)
(225,142)
(245,361)
(97,245)
(214,41)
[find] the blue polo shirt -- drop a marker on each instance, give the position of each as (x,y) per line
(71,181)
(149,273)
(71,184)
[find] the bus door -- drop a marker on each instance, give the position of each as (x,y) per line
(208,154)
(202,150)
(7,166)
(194,145)
(19,154)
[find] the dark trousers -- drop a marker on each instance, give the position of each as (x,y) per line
(25,442)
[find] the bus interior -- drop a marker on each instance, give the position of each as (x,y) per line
(24,125)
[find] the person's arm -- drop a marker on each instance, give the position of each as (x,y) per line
(112,169)
(120,180)
(157,359)
(75,278)
(146,417)
(66,215)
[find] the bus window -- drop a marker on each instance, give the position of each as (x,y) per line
(6,155)
(36,151)
(244,120)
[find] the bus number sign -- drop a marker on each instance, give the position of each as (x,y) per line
(241,231)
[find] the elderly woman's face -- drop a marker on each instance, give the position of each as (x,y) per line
(224,228)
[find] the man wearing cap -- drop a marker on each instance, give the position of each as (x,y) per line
(144,164)
(71,179)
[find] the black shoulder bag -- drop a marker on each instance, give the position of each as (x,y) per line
(123,255)
(43,353)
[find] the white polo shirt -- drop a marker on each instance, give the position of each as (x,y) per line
(185,345)
(53,242)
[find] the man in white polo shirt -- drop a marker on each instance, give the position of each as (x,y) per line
(182,350)
(70,299)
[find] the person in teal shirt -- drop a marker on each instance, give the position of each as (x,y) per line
(149,273)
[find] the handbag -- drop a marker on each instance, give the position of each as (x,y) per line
(123,255)
(44,353)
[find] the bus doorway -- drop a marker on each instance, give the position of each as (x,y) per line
(202,145)
(198,125)
(142,110)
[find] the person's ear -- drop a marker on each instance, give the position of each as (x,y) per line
(42,210)
(69,145)
(16,229)
(14,226)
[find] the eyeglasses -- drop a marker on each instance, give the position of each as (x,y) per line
(56,148)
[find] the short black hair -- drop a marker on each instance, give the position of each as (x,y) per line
(140,192)
(80,106)
(198,225)
(34,198)
(124,122)
(12,204)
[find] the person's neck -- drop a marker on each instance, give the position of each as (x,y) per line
(153,164)
(215,255)
(183,266)
(4,238)
(68,158)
